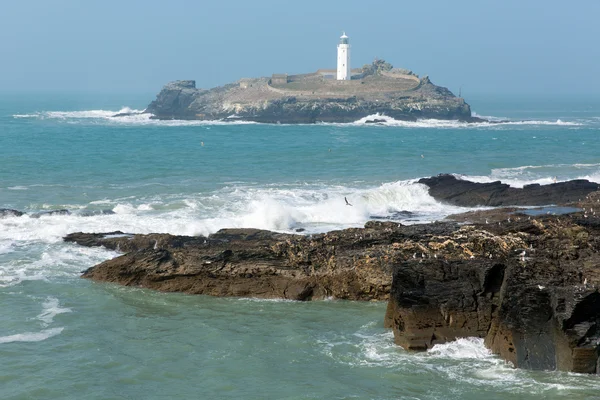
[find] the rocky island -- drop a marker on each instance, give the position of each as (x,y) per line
(375,89)
(524,279)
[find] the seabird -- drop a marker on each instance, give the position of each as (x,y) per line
(348,204)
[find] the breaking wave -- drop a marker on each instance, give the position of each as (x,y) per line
(124,116)
(129,116)
(540,174)
(31,336)
(384,120)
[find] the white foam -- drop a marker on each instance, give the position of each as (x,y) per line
(132,117)
(540,174)
(139,117)
(438,123)
(51,309)
(31,336)
(34,260)
(461,349)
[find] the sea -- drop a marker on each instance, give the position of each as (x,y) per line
(63,337)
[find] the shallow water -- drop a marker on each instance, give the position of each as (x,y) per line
(62,337)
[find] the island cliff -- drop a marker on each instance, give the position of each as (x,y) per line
(315,97)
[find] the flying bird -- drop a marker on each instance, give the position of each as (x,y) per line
(348,204)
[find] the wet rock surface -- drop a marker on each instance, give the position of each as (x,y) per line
(529,286)
(455,191)
(8,212)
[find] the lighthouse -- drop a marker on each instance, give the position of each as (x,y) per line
(343,59)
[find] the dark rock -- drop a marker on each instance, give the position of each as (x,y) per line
(7,212)
(53,212)
(535,300)
(452,190)
(126,114)
(395,215)
(92,213)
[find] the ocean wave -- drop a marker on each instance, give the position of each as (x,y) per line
(129,116)
(31,336)
(124,116)
(438,123)
(315,208)
(51,308)
(538,174)
(32,259)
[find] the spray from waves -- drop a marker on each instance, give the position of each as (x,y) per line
(540,174)
(314,208)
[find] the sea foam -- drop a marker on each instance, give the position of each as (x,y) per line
(129,116)
(31,336)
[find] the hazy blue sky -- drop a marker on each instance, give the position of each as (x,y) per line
(510,46)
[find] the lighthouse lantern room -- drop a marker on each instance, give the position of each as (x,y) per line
(343,59)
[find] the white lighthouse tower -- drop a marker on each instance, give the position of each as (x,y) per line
(343,61)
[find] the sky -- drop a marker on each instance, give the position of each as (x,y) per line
(504,47)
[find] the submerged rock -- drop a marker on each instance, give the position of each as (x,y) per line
(53,212)
(93,213)
(8,212)
(459,192)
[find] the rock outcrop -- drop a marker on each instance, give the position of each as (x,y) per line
(311,98)
(528,285)
(250,262)
(455,191)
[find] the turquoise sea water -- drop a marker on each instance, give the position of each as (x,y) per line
(62,337)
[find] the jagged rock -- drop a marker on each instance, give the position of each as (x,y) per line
(452,190)
(531,292)
(249,262)
(8,212)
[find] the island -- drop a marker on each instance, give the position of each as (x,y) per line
(375,90)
